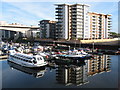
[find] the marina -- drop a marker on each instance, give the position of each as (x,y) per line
(98,72)
(66,45)
(58,66)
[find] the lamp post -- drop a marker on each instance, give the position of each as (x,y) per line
(93,45)
(80,44)
(54,43)
(69,48)
(15,37)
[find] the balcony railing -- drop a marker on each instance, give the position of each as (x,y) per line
(59,18)
(58,15)
(59,8)
(59,11)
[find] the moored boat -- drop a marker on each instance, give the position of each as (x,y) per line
(74,55)
(27,60)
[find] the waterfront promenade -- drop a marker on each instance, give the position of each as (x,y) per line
(112,44)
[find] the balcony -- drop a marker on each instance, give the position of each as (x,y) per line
(59,11)
(74,23)
(59,18)
(109,18)
(109,21)
(74,11)
(74,17)
(74,14)
(74,27)
(80,11)
(100,26)
(109,26)
(58,15)
(73,8)
(58,8)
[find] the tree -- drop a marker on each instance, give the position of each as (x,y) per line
(114,34)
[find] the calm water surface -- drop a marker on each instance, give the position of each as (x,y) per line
(100,72)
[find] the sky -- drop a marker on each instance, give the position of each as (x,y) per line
(31,12)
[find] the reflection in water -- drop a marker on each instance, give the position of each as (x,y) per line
(39,72)
(100,64)
(72,74)
(77,74)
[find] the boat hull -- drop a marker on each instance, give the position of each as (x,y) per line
(30,65)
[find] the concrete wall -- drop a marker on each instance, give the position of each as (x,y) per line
(99,40)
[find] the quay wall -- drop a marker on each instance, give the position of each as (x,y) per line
(101,43)
(98,40)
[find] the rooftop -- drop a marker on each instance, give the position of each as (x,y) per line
(71,4)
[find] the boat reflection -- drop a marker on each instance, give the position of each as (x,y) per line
(36,72)
(78,73)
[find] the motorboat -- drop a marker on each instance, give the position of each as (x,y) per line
(74,55)
(27,60)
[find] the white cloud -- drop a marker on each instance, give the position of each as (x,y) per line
(34,9)
(28,13)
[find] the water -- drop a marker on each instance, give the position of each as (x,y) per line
(100,72)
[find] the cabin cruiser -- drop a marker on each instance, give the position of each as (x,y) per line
(27,60)
(74,55)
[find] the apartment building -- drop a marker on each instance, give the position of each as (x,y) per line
(34,32)
(72,21)
(100,25)
(47,29)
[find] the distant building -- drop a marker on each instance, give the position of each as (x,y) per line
(47,29)
(72,21)
(100,25)
(14,30)
(33,32)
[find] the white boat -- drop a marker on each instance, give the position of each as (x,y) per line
(74,55)
(27,60)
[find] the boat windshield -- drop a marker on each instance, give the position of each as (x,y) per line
(34,61)
(39,58)
(34,58)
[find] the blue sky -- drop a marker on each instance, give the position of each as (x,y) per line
(30,13)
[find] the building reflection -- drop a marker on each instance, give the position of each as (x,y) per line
(100,64)
(78,74)
(37,73)
(72,74)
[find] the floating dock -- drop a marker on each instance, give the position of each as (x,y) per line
(3,57)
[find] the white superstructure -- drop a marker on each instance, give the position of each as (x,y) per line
(72,21)
(27,60)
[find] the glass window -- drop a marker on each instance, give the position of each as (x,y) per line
(40,58)
(34,58)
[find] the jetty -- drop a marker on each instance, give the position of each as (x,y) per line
(3,57)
